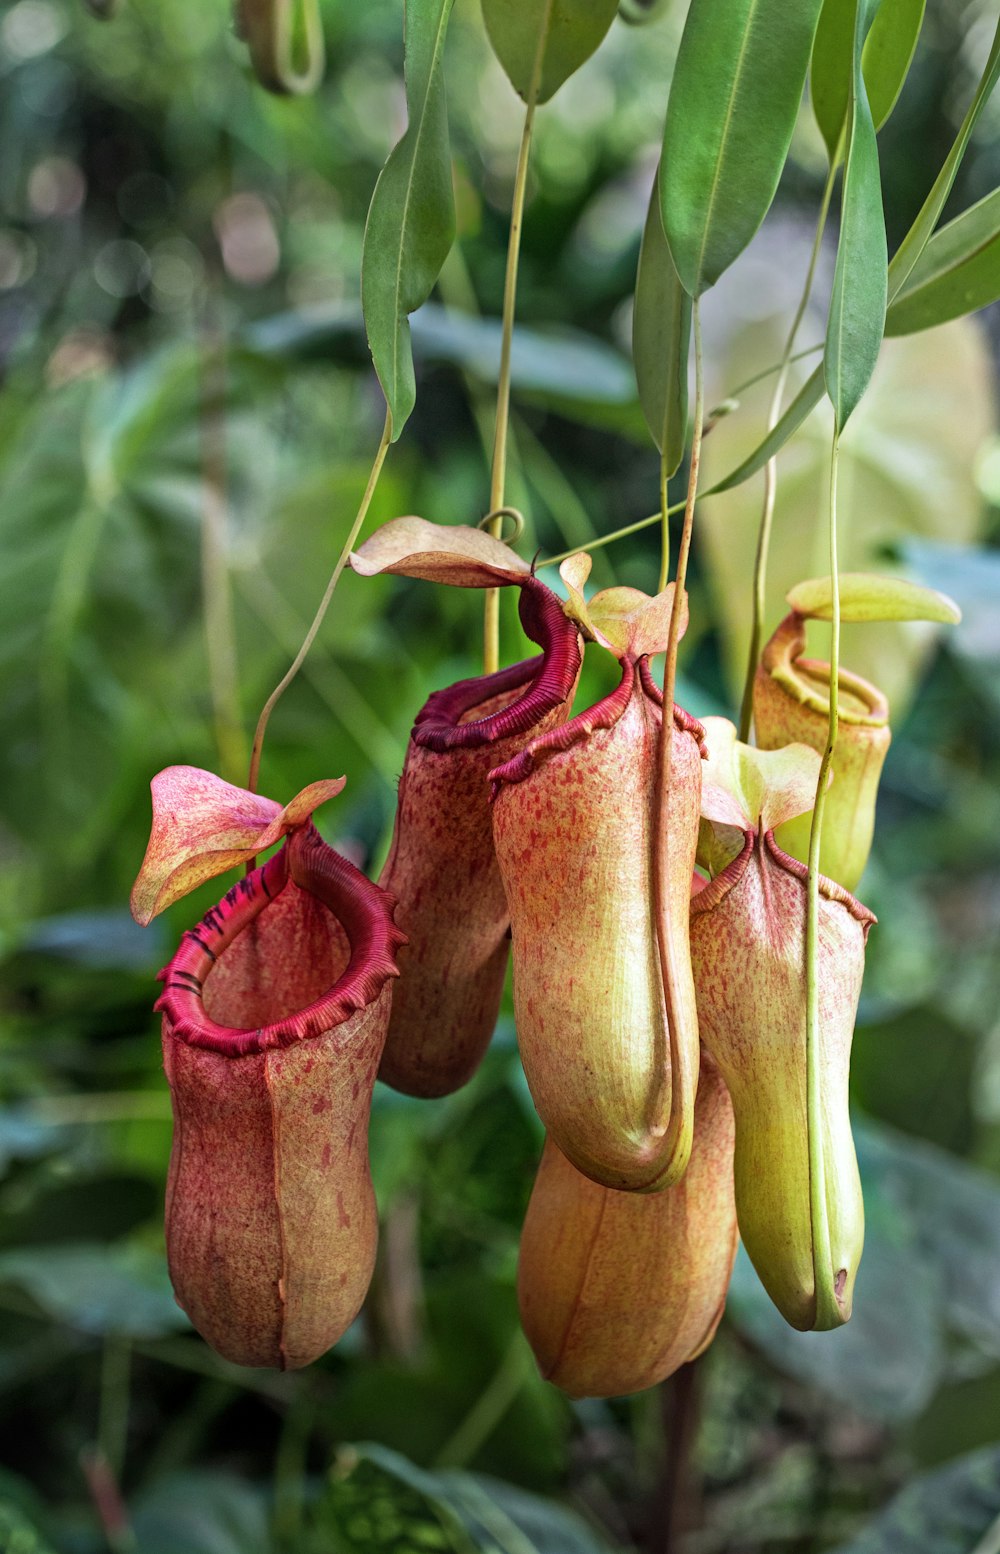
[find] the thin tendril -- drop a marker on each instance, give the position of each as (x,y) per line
(349,543)
(771,468)
(491,602)
(679,1132)
(827,1312)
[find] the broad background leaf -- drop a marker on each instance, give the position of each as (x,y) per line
(733,103)
(857,307)
(567,30)
(950,1511)
(411,222)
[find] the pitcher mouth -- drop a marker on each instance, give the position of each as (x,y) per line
(807,679)
(364,911)
(546,682)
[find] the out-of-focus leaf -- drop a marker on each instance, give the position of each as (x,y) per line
(411,222)
(661,334)
(380,1501)
(857,306)
(102,1290)
(562,364)
(907,471)
(958,272)
(886,58)
(927,218)
(931,1270)
(17,1535)
(733,103)
(101,939)
(972,575)
(566,33)
(202,1513)
(955,1510)
(110,1205)
(887,1361)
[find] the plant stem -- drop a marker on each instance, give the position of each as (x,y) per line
(489,1408)
(491,603)
(665,528)
(771,467)
(349,543)
(679,1135)
(220,641)
(827,1314)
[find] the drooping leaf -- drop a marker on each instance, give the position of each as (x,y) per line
(661,334)
(886,58)
(888,53)
(564,32)
(868,596)
(411,221)
(857,307)
(919,235)
(958,272)
(733,103)
(953,1510)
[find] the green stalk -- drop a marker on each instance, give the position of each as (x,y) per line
(679,1135)
(491,602)
(349,543)
(827,1314)
(665,528)
(771,467)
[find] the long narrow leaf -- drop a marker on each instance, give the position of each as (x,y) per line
(957,273)
(733,104)
(857,307)
(568,30)
(661,335)
(919,235)
(411,222)
(885,61)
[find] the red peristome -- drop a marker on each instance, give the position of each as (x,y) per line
(442,867)
(611,1063)
(275,1011)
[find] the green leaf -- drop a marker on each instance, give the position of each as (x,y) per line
(857,307)
(411,221)
(121,1290)
(17,1535)
(867,596)
(953,1510)
(888,53)
(565,31)
(733,104)
(916,240)
(958,272)
(380,1501)
(885,61)
(661,335)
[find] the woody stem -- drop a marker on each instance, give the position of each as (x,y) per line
(771,467)
(349,543)
(491,602)
(827,1313)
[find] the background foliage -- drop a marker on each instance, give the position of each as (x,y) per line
(186,419)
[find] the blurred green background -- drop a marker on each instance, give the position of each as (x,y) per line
(187,418)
